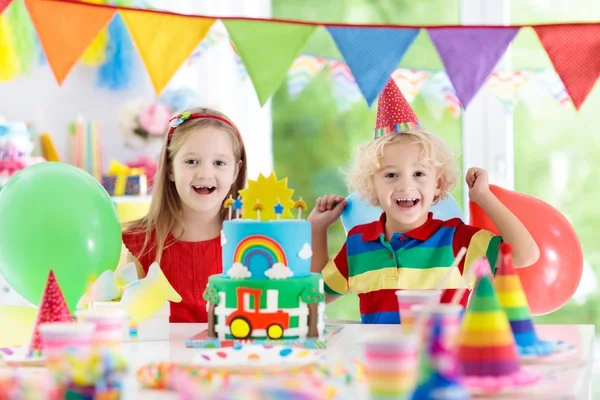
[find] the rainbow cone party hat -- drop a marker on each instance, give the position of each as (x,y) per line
(486,347)
(443,381)
(514,302)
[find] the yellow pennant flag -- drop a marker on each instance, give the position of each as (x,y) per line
(164,41)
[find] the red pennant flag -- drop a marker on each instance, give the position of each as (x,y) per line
(4,4)
(574,52)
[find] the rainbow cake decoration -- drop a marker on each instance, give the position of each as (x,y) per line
(266,290)
(487,352)
(443,381)
(514,302)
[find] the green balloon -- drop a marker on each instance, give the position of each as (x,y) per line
(54,216)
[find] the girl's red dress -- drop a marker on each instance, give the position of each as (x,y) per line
(187,266)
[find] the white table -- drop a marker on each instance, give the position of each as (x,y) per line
(567,380)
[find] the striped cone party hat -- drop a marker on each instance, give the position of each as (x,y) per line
(514,302)
(443,382)
(486,347)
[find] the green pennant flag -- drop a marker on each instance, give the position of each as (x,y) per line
(268,50)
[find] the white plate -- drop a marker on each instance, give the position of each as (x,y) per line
(17,357)
(254,357)
(562,350)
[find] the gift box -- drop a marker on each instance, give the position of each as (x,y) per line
(121,180)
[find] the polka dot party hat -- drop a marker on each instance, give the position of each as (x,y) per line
(53,308)
(394,114)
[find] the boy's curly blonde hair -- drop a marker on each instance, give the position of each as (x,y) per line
(435,153)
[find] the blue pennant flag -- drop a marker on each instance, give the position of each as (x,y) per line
(372,54)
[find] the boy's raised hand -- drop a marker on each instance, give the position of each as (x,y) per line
(327,210)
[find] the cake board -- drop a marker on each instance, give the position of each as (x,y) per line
(201,340)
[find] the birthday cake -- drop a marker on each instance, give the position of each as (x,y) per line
(266,290)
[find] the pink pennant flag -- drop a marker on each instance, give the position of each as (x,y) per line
(470,55)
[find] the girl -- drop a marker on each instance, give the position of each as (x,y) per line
(202,163)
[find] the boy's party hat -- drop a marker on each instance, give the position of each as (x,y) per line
(486,346)
(513,301)
(53,308)
(394,114)
(443,381)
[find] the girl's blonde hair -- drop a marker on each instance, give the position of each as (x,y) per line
(434,153)
(165,206)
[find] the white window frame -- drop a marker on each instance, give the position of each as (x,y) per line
(487,130)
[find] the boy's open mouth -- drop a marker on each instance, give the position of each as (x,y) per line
(204,189)
(407,202)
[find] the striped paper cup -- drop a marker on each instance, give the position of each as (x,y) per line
(409,298)
(391,366)
(450,316)
(57,337)
(108,323)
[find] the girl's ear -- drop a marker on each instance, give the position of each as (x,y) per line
(171,175)
(238,168)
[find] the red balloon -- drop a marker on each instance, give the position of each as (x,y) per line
(551,282)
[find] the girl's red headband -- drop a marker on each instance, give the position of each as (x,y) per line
(186,116)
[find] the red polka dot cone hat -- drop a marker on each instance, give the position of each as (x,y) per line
(394,114)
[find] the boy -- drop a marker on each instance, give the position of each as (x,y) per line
(404,171)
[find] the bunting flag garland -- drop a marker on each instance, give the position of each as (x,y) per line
(550,80)
(164,54)
(470,55)
(69,31)
(573,50)
(267,50)
(507,86)
(345,90)
(65,30)
(303,70)
(372,54)
(410,81)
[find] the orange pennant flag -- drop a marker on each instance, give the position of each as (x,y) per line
(66,30)
(164,41)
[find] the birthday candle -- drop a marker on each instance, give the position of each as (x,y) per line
(300,205)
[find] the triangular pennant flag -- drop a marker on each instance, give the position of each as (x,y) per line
(4,4)
(470,55)
(486,346)
(410,81)
(268,50)
(573,50)
(507,86)
(53,308)
(303,70)
(345,91)
(164,41)
(372,54)
(514,302)
(65,30)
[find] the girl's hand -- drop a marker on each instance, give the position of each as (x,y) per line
(327,210)
(478,183)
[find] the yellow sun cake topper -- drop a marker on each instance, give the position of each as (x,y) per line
(268,193)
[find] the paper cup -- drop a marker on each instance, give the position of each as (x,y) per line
(391,366)
(450,316)
(108,323)
(409,298)
(58,337)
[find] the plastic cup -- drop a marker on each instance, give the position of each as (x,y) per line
(409,298)
(449,315)
(109,325)
(391,366)
(59,337)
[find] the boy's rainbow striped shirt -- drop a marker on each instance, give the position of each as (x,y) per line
(374,268)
